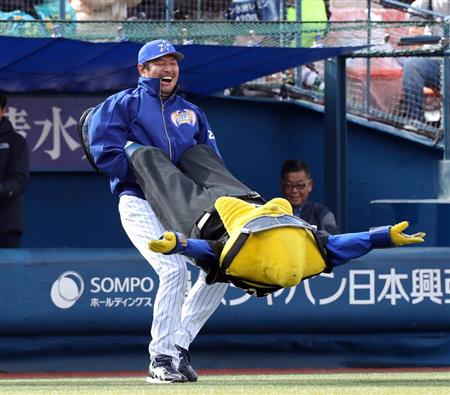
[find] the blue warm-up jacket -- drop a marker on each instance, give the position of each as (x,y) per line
(140,115)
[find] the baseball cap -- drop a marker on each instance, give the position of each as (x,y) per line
(157,48)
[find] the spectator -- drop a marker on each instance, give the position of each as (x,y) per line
(296,185)
(26,6)
(105,10)
(149,9)
(102,11)
(34,9)
(16,11)
(13,179)
(253,10)
(318,11)
(206,10)
(51,9)
(242,11)
(311,11)
(420,72)
(268,10)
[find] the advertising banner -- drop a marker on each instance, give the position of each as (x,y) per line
(112,291)
(49,124)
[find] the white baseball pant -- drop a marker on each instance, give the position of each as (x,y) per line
(176,319)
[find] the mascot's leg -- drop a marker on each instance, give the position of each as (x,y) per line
(176,199)
(206,168)
(201,164)
(181,195)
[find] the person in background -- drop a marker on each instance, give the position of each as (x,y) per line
(149,9)
(51,10)
(35,9)
(268,10)
(315,15)
(242,11)
(105,10)
(296,185)
(25,6)
(420,72)
(102,11)
(317,11)
(14,173)
(253,10)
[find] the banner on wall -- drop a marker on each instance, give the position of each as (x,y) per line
(113,291)
(49,124)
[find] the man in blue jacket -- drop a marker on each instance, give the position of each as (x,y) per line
(152,114)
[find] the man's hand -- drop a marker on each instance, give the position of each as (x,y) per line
(5,191)
(399,238)
(168,243)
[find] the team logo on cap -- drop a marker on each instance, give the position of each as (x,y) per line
(165,46)
(185,116)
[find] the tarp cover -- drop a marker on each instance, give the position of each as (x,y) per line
(62,65)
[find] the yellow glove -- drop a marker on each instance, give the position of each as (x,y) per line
(168,243)
(399,238)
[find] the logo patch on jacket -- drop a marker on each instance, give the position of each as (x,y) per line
(185,116)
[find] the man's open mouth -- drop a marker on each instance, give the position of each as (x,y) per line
(166,79)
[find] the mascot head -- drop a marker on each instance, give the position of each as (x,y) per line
(267,243)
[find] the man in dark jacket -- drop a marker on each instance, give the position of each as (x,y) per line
(14,167)
(297,184)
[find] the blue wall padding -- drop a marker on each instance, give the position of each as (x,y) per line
(229,351)
(91,309)
(111,291)
(431,216)
(76,209)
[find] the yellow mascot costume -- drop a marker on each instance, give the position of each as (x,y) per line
(267,248)
(279,249)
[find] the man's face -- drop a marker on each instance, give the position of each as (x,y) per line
(2,111)
(296,187)
(165,68)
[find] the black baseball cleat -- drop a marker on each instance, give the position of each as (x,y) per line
(161,371)
(185,365)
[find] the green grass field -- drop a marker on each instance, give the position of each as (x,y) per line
(410,383)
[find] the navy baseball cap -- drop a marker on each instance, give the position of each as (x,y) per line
(157,48)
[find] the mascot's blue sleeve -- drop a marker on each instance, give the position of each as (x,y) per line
(347,246)
(199,249)
(341,248)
